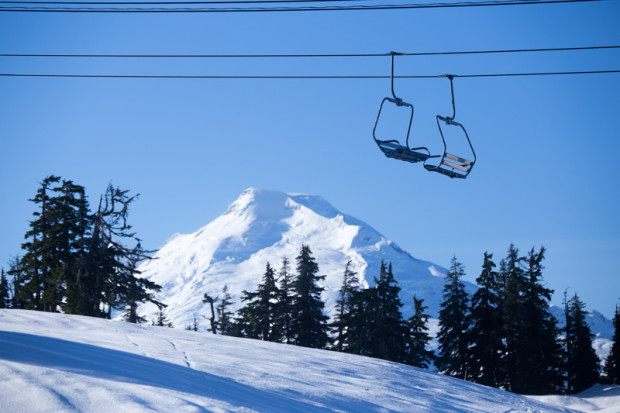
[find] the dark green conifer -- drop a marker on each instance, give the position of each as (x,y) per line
(225,316)
(376,327)
(453,325)
(582,363)
(258,318)
(309,324)
(486,335)
(418,354)
(612,363)
(5,297)
(350,285)
(284,303)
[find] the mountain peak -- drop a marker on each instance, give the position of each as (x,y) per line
(262,226)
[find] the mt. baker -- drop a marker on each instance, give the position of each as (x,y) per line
(265,226)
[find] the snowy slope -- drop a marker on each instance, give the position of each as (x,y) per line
(56,362)
(263,226)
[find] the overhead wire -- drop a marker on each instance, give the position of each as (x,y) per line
(329,55)
(483,3)
(315,77)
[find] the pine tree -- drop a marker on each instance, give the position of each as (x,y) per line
(284,303)
(225,316)
(453,322)
(539,349)
(350,285)
(38,259)
(5,297)
(258,317)
(512,286)
(309,324)
(612,364)
(137,291)
(485,335)
(161,320)
(582,363)
(418,354)
(376,327)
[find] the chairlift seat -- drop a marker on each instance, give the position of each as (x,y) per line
(393,149)
(451,169)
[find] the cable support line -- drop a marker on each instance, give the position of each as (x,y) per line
(483,3)
(313,77)
(87,3)
(210,56)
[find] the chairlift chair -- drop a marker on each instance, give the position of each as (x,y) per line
(392,148)
(449,164)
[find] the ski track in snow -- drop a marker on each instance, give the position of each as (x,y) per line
(56,362)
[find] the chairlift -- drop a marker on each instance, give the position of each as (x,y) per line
(392,148)
(449,164)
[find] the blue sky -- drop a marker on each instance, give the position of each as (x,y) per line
(547,147)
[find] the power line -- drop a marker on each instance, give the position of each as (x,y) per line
(176,2)
(312,77)
(444,53)
(282,9)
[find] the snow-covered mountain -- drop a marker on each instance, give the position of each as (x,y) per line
(52,362)
(264,226)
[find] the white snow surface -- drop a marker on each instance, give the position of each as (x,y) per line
(57,362)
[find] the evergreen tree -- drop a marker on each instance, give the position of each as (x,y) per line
(512,286)
(418,354)
(258,317)
(309,324)
(612,364)
(350,285)
(225,316)
(38,259)
(376,327)
(582,363)
(540,351)
(161,320)
(138,290)
(485,335)
(453,322)
(18,274)
(5,297)
(284,303)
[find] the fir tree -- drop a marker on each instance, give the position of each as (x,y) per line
(582,363)
(453,322)
(161,320)
(137,291)
(376,327)
(612,364)
(512,287)
(349,286)
(309,324)
(258,317)
(418,354)
(5,297)
(225,316)
(485,335)
(284,302)
(539,349)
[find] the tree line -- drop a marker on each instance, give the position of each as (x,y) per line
(504,335)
